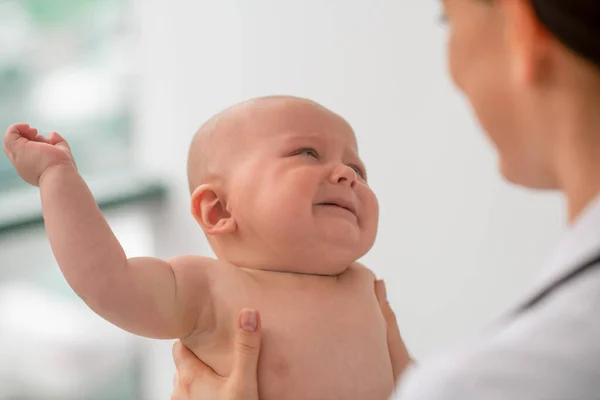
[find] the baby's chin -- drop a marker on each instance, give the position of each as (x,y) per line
(332,256)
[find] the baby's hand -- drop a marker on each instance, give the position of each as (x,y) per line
(32,154)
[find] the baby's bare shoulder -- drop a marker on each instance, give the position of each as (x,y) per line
(189,260)
(194,265)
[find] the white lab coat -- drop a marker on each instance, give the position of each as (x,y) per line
(549,351)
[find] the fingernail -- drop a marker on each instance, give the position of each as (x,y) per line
(249,320)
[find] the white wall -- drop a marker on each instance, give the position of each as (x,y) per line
(456,244)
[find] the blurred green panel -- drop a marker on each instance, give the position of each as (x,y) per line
(56,36)
(57,12)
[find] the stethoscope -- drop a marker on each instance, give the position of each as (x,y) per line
(587,266)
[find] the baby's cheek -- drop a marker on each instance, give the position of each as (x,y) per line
(370,206)
(370,218)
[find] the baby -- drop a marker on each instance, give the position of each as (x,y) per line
(279,189)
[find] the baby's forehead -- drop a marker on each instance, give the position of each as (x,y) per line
(297,120)
(322,137)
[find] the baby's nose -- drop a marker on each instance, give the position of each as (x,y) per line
(344,174)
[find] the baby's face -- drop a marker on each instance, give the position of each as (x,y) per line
(299,192)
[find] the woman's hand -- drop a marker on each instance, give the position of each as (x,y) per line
(195,380)
(398,353)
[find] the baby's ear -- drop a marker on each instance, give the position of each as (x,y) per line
(210,211)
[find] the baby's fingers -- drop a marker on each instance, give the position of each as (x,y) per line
(23,130)
(17,128)
(18,133)
(12,136)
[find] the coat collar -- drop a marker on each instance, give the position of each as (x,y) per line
(580,243)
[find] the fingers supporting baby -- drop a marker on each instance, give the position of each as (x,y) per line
(190,369)
(398,352)
(195,380)
(247,348)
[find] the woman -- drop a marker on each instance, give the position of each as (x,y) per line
(531,71)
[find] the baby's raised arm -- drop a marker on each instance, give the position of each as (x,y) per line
(145,296)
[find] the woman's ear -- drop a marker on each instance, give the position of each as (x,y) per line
(528,41)
(209,209)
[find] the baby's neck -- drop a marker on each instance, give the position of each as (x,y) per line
(283,279)
(283,272)
(298,266)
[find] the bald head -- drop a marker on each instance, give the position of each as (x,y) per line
(202,150)
(215,145)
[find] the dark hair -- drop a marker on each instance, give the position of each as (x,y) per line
(576,23)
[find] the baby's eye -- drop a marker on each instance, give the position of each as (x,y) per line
(358,170)
(308,152)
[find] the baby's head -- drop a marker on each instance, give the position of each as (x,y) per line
(277,184)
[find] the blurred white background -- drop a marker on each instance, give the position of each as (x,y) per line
(456,244)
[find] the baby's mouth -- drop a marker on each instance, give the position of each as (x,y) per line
(338,205)
(334,205)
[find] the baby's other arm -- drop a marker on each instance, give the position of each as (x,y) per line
(162,299)
(145,296)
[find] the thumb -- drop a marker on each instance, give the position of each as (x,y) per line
(247,349)
(398,353)
(58,141)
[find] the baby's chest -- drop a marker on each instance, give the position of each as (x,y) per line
(338,345)
(319,335)
(320,314)
(335,340)
(322,333)
(313,314)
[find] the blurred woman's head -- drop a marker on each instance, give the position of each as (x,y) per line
(531,70)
